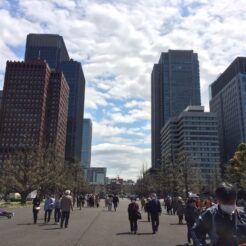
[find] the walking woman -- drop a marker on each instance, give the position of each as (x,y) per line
(36,207)
(133,210)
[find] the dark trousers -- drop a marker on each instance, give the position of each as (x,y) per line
(155,222)
(35,215)
(115,206)
(134,225)
(148,216)
(189,227)
(47,213)
(57,215)
(65,216)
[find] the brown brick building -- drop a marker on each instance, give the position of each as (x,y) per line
(34,107)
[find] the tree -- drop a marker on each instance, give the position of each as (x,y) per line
(235,170)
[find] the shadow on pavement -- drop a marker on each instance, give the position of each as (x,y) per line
(177,224)
(144,221)
(123,233)
(24,224)
(138,234)
(145,233)
(51,229)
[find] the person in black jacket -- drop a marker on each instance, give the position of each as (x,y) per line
(133,210)
(223,223)
(35,208)
(191,215)
(155,211)
(115,202)
(146,209)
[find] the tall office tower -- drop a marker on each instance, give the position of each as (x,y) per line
(49,47)
(193,137)
(34,107)
(76,81)
(87,142)
(175,84)
(23,106)
(52,48)
(57,112)
(228,100)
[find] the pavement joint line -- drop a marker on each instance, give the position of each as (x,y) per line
(87,229)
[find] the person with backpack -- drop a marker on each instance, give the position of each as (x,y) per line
(225,225)
(191,215)
(133,215)
(48,207)
(155,211)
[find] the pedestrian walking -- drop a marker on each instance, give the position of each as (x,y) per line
(97,201)
(48,207)
(66,207)
(191,215)
(133,215)
(168,204)
(225,225)
(143,202)
(146,209)
(174,205)
(110,202)
(57,209)
(35,209)
(180,210)
(155,212)
(115,202)
(80,201)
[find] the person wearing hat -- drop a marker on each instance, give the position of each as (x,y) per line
(155,212)
(66,207)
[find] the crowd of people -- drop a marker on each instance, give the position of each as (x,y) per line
(217,221)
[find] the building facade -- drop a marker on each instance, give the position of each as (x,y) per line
(57,112)
(193,136)
(96,175)
(52,48)
(31,93)
(228,100)
(49,47)
(87,142)
(175,84)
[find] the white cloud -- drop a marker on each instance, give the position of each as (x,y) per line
(119,41)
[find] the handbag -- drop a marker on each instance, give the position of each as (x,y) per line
(139,216)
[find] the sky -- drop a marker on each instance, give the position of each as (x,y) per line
(117,42)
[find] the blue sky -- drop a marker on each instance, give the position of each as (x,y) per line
(118,42)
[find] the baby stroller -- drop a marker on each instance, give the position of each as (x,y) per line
(5,213)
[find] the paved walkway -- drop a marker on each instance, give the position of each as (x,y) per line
(90,227)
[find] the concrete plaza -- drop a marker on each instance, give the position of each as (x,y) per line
(90,227)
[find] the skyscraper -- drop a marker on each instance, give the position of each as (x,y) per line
(76,81)
(34,108)
(228,100)
(87,141)
(52,48)
(175,84)
(49,47)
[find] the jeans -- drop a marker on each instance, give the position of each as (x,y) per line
(189,227)
(148,216)
(57,215)
(134,225)
(155,222)
(65,216)
(35,215)
(47,212)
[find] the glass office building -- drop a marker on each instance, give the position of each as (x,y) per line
(87,142)
(175,84)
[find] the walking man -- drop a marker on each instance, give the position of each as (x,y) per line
(115,202)
(57,209)
(155,212)
(133,210)
(66,206)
